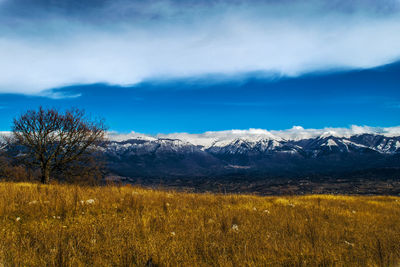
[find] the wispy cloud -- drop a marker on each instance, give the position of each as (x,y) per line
(59,94)
(46,44)
(393,104)
(240,104)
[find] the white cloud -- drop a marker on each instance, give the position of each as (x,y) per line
(226,39)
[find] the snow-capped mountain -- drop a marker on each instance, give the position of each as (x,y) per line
(260,145)
(216,153)
(296,152)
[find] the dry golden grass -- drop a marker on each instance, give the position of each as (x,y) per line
(60,225)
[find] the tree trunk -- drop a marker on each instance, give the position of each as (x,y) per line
(45,175)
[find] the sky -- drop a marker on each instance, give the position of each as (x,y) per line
(164,66)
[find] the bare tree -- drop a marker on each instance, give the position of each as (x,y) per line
(52,140)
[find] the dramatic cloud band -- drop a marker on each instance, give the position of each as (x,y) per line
(47,44)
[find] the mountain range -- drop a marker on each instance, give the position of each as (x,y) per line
(259,153)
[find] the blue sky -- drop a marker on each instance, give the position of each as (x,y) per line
(194,66)
(339,99)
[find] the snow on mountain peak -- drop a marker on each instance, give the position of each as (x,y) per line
(118,137)
(330,142)
(329,134)
(223,138)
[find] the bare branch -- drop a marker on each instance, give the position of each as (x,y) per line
(55,140)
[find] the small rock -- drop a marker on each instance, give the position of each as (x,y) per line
(89,201)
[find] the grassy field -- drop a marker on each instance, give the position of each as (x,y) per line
(61,225)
